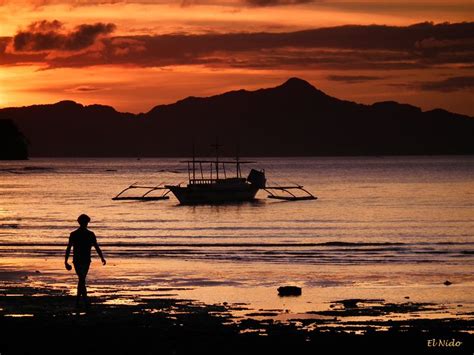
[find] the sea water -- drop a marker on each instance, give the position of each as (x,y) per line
(386,227)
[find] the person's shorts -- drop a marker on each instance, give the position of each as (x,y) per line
(81,269)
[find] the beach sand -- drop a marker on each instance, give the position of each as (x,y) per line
(37,320)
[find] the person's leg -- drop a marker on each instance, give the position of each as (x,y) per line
(80,288)
(78,296)
(79,284)
(84,289)
(81,271)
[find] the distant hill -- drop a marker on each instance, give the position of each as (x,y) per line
(13,145)
(293,119)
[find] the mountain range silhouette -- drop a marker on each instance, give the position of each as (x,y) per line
(292,119)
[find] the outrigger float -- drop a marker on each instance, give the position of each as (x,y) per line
(216,186)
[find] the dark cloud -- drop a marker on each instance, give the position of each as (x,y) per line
(352,79)
(455,83)
(47,36)
(4,43)
(84,88)
(8,58)
(263,3)
(418,46)
(45,25)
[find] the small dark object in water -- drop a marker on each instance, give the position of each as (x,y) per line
(407,297)
(289,291)
(37,272)
(447,283)
(111,170)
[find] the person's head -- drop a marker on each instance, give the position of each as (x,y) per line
(83,220)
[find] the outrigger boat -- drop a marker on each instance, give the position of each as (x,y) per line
(217,186)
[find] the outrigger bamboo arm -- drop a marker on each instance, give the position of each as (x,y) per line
(163,196)
(292,197)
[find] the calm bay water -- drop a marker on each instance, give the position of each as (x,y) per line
(394,221)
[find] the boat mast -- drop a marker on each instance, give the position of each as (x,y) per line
(237,160)
(194,162)
(216,146)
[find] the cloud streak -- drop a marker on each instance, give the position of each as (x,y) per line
(52,36)
(265,3)
(353,79)
(451,84)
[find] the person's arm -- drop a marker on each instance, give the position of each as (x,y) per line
(68,252)
(99,251)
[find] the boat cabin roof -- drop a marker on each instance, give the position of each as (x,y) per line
(220,161)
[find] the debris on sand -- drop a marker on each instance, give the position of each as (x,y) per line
(289,291)
(352,302)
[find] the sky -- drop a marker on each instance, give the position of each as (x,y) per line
(136,54)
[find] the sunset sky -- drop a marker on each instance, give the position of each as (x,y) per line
(136,54)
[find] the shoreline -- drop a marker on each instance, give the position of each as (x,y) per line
(224,282)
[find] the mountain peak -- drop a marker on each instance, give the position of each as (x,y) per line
(297,83)
(297,86)
(67,103)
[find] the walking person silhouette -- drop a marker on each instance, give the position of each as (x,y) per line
(81,240)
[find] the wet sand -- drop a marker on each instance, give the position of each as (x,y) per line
(38,320)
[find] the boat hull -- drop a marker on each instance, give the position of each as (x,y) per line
(213,193)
